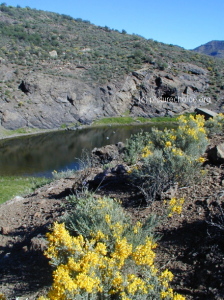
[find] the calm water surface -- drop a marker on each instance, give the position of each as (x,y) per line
(39,155)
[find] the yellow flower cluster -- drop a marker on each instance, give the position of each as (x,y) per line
(122,251)
(106,263)
(168,144)
(192,126)
(91,265)
(135,284)
(146,152)
(190,131)
(62,238)
(132,168)
(144,255)
(137,227)
(165,277)
(168,293)
(172,137)
(201,160)
(177,151)
(175,206)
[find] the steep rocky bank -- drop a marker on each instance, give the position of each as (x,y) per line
(38,100)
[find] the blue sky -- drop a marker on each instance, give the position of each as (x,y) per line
(179,22)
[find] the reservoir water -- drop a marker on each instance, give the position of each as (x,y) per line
(40,155)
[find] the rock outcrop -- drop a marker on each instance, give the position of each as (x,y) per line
(40,100)
(216,154)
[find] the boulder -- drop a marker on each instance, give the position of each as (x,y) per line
(13,120)
(105,154)
(216,154)
(5,230)
(53,53)
(27,87)
(38,244)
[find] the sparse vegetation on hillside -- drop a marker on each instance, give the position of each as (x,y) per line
(101,53)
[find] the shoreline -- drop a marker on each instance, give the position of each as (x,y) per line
(5,133)
(42,131)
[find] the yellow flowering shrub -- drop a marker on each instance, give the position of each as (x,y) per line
(192,136)
(174,206)
(215,125)
(117,261)
(170,156)
(137,146)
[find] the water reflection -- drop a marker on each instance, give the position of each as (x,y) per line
(39,155)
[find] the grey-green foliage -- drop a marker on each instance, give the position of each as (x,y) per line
(168,157)
(215,125)
(134,146)
(163,170)
(88,216)
(186,142)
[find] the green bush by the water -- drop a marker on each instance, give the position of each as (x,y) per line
(160,159)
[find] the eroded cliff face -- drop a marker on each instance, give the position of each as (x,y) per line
(38,100)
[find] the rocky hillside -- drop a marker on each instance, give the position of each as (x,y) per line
(57,71)
(213,48)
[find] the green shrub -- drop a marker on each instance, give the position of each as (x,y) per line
(103,256)
(215,125)
(164,158)
(88,217)
(163,169)
(134,146)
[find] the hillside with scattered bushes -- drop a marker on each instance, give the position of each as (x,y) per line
(58,71)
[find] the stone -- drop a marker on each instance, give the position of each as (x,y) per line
(17,199)
(38,244)
(85,121)
(53,53)
(5,230)
(27,87)
(216,154)
(106,154)
(170,193)
(120,146)
(119,169)
(13,120)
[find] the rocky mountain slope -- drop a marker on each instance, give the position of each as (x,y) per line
(213,48)
(56,71)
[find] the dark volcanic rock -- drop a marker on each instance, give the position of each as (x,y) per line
(105,154)
(216,154)
(47,101)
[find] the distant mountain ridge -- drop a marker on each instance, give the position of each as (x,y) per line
(213,48)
